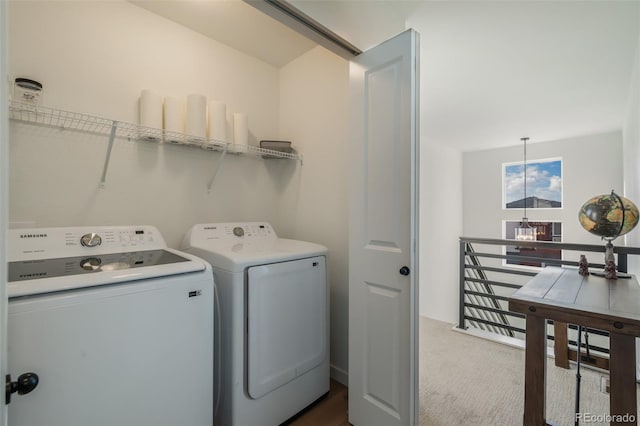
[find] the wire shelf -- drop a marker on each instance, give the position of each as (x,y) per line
(68,120)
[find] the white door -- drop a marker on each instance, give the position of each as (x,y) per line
(383,279)
(4,200)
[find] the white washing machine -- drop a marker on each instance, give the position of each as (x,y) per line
(117,327)
(274,335)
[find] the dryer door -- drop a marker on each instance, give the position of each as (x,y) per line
(287,330)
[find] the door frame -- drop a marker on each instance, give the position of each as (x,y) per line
(4,193)
(414,404)
(414,351)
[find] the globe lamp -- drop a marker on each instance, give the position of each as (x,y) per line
(608,216)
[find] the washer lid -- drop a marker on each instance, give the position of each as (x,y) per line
(256,245)
(30,277)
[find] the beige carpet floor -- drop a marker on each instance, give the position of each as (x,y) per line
(466,380)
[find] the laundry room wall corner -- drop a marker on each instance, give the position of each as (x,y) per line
(314,115)
(123,49)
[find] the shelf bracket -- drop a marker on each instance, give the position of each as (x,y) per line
(112,136)
(217,167)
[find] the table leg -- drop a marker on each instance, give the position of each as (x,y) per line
(535,369)
(622,400)
(561,344)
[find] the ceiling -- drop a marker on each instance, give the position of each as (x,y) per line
(236,24)
(492,71)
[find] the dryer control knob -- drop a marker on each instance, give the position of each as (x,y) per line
(91,240)
(238,231)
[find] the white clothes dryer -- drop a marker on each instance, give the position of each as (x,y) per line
(273,330)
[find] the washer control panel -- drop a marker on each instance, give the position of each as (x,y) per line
(116,238)
(47,243)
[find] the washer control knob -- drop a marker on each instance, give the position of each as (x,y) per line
(90,263)
(238,231)
(91,240)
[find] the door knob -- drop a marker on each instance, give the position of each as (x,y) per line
(26,383)
(405,270)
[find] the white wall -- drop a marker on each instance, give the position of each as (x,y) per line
(592,165)
(95,58)
(314,113)
(440,197)
(631,150)
(440,227)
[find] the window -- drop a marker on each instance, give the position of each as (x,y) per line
(545,231)
(544,184)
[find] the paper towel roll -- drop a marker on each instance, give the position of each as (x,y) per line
(196,123)
(217,121)
(240,131)
(150,110)
(173,117)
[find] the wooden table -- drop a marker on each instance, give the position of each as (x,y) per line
(563,295)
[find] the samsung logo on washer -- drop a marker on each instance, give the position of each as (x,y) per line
(33,235)
(35,275)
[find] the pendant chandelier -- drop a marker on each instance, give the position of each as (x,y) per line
(525,232)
